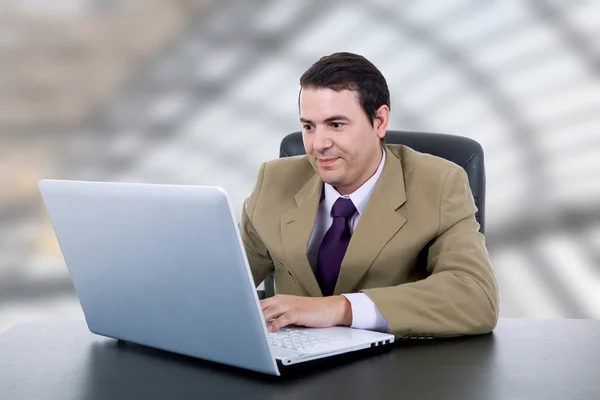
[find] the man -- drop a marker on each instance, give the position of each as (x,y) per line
(363,234)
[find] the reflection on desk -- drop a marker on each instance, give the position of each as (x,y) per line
(549,359)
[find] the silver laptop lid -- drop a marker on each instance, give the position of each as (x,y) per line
(161,265)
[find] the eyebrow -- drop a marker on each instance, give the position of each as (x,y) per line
(330,119)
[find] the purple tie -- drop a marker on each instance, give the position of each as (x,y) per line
(334,245)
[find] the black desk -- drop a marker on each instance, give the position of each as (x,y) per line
(522,359)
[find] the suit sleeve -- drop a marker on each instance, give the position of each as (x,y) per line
(460,295)
(261,263)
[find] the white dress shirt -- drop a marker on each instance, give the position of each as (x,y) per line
(365,314)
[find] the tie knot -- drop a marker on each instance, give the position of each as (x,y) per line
(343,207)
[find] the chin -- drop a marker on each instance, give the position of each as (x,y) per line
(332,179)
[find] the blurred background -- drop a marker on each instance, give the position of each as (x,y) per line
(202,92)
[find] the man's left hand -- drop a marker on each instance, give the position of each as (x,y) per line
(314,312)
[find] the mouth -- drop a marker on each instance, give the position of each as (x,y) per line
(327,161)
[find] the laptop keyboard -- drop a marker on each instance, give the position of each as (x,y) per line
(289,338)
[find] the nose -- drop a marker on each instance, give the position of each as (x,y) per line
(321,140)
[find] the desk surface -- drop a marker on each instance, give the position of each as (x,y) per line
(522,359)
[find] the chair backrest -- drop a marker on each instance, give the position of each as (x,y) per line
(460,150)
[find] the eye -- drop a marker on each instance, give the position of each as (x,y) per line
(336,125)
(307,127)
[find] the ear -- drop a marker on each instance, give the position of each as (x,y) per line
(381,121)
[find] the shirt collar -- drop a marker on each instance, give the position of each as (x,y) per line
(360,196)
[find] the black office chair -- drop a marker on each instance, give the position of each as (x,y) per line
(461,150)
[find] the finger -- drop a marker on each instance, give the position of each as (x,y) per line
(281,322)
(270,301)
(266,303)
(274,312)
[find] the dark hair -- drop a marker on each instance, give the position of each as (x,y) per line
(348,71)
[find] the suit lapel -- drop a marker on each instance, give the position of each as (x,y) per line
(296,227)
(377,225)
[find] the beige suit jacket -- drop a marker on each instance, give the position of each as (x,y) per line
(416,250)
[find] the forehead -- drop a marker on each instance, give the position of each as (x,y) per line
(321,103)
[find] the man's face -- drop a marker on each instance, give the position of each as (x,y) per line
(341,144)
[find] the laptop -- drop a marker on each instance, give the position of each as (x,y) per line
(164,266)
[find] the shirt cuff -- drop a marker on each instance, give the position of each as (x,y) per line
(365,314)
